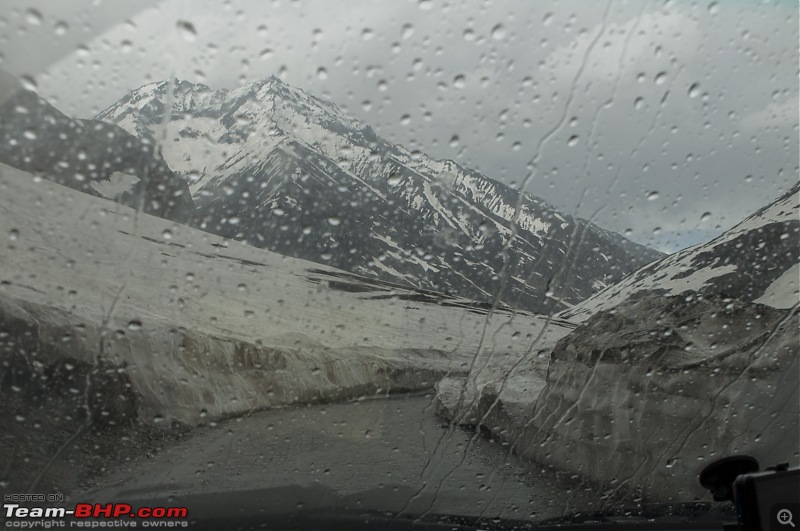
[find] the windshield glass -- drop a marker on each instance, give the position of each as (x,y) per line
(498,260)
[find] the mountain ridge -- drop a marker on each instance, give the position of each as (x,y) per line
(281,169)
(756,260)
(95,157)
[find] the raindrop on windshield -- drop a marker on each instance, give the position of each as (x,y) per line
(498,32)
(60,28)
(28,82)
(33,17)
(187,30)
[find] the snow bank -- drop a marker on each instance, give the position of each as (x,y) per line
(642,398)
(671,369)
(516,379)
(189,375)
(205,328)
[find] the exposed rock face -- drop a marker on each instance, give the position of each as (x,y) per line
(94,157)
(281,169)
(644,396)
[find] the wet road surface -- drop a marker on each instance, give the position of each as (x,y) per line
(388,454)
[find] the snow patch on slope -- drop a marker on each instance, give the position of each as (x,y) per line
(784,292)
(117,184)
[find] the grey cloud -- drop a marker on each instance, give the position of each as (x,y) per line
(498,76)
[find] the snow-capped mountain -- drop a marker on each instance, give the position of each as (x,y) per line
(757,260)
(94,157)
(281,169)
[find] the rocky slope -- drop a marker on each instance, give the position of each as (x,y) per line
(281,169)
(88,155)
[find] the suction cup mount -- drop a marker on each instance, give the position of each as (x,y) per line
(718,477)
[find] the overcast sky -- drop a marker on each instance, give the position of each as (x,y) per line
(667,121)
